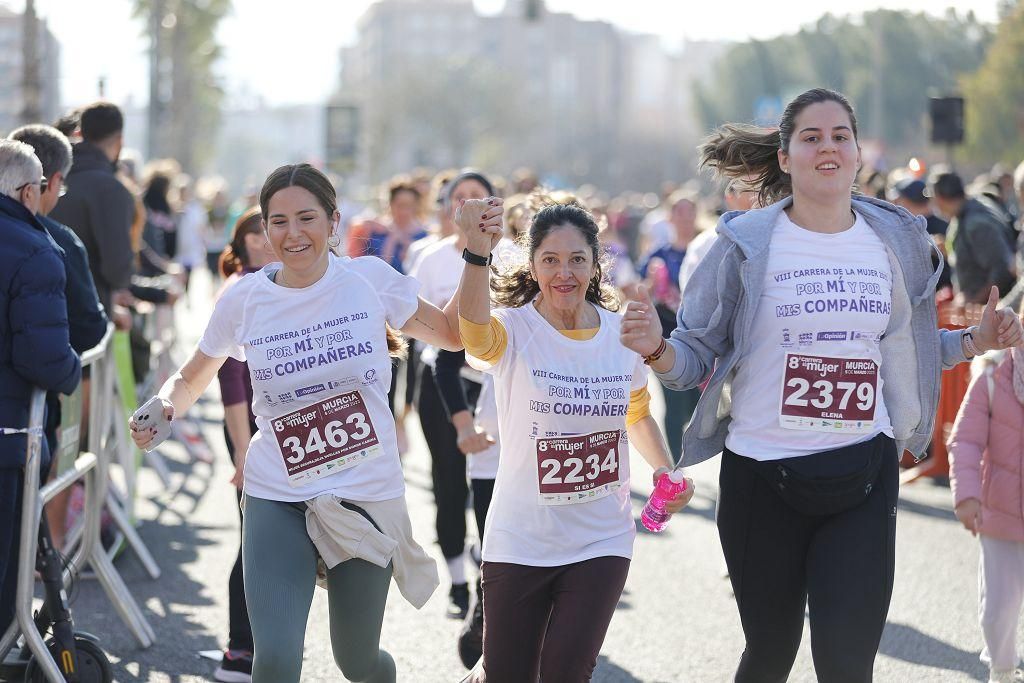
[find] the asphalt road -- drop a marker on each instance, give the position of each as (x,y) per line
(676,621)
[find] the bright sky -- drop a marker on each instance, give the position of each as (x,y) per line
(287,52)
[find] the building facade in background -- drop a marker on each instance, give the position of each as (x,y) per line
(438,84)
(12,71)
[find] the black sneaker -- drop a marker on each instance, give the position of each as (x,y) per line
(458,601)
(235,667)
(471,637)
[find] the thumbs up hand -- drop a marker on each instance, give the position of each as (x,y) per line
(641,328)
(999,329)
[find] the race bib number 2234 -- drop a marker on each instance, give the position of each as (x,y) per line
(578,469)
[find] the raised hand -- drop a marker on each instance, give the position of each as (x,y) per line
(641,328)
(480,220)
(999,329)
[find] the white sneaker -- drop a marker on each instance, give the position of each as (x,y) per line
(1008,676)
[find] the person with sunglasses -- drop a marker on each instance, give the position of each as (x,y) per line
(34,346)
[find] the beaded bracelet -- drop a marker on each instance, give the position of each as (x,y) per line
(657,354)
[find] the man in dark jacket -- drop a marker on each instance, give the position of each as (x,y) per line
(86,319)
(34,346)
(976,242)
(97,206)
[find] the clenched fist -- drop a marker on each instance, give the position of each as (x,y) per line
(480,221)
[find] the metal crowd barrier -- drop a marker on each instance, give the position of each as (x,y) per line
(105,440)
(159,328)
(31,509)
(92,467)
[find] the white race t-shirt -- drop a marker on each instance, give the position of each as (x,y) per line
(415,250)
(484,465)
(562,491)
(812,380)
(696,250)
(439,270)
(320,369)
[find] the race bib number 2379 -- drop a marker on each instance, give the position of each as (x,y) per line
(824,394)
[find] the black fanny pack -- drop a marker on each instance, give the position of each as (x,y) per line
(829,482)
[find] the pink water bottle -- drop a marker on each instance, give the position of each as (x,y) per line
(670,484)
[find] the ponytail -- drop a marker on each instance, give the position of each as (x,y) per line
(737,149)
(235,258)
(230,262)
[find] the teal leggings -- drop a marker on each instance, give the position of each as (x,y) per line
(280,573)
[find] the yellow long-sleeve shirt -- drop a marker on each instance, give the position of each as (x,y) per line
(488,343)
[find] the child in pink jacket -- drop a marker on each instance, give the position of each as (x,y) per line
(986,453)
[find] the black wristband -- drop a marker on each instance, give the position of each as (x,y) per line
(475,259)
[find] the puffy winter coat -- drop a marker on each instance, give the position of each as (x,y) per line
(34,345)
(986,453)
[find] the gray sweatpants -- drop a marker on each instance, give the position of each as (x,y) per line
(279,562)
(1000,595)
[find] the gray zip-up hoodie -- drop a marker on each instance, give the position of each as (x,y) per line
(715,318)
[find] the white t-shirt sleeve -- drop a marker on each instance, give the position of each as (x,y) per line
(399,294)
(640,372)
(221,337)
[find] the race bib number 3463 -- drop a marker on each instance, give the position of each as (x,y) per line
(326,437)
(578,469)
(825,394)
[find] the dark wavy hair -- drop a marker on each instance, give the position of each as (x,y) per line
(737,149)
(321,187)
(518,287)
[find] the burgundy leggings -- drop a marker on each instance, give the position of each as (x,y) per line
(547,621)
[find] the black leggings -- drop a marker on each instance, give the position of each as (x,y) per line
(447,467)
(483,490)
(840,567)
(239,631)
(410,367)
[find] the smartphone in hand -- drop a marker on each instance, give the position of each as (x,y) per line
(151,416)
